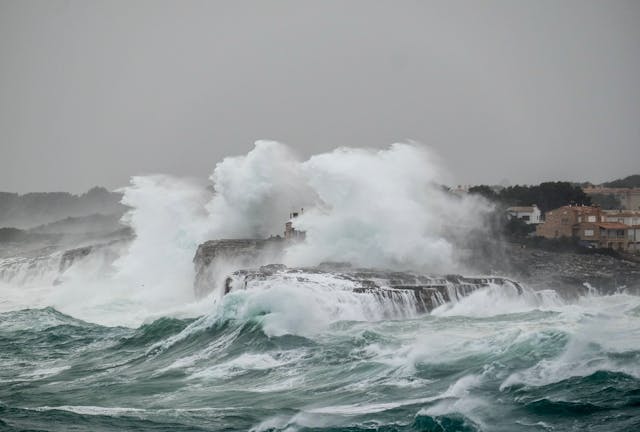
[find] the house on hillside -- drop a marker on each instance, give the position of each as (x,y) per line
(560,222)
(530,214)
(592,226)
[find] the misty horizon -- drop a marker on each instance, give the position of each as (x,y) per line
(206,181)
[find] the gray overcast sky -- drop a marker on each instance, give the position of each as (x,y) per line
(93,92)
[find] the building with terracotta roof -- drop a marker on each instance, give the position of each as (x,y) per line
(560,222)
(593,226)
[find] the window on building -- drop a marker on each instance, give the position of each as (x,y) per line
(525,217)
(591,218)
(588,233)
(620,233)
(564,221)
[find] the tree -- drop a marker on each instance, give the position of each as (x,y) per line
(546,196)
(485,191)
(518,228)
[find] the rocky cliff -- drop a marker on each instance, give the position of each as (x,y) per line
(215,259)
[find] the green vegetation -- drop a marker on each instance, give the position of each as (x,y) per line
(546,196)
(517,228)
(485,191)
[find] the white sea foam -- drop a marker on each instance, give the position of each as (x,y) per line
(94,410)
(306,303)
(44,372)
(457,399)
(501,299)
(590,323)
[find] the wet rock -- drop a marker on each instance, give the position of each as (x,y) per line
(425,292)
(568,272)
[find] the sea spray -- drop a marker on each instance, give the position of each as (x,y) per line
(369,207)
(255,193)
(383,208)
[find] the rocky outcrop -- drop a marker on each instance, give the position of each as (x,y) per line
(223,256)
(568,272)
(424,291)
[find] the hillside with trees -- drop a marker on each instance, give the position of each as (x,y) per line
(546,196)
(33,209)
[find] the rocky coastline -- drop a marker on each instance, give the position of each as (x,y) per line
(424,292)
(569,273)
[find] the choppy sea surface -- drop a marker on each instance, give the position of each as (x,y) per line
(277,361)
